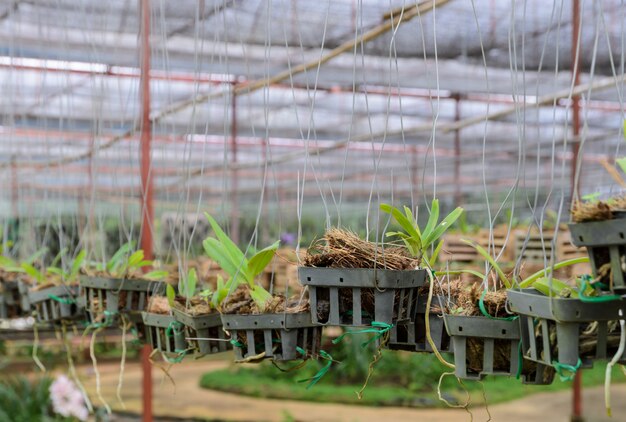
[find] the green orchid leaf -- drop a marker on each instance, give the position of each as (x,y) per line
(6,262)
(459,272)
(192,280)
(77,265)
(57,259)
(155,275)
(33,272)
(171,295)
(135,258)
(215,250)
(432,220)
(491,261)
(55,271)
(260,296)
(556,288)
(435,255)
(34,257)
(621,162)
(118,256)
(542,273)
(445,224)
(408,213)
(236,255)
(591,197)
(262,259)
(401,219)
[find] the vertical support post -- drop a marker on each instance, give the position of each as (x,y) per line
(577,406)
(234,212)
(11,231)
(457,151)
(576,28)
(14,188)
(147,211)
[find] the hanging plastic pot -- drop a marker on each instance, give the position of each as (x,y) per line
(205,332)
(359,296)
(279,336)
(411,336)
(556,331)
(10,300)
(56,303)
(606,245)
(110,296)
(166,335)
(484,346)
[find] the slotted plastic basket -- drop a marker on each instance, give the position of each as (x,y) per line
(206,330)
(357,296)
(273,336)
(551,328)
(606,244)
(56,303)
(496,343)
(411,336)
(165,334)
(116,295)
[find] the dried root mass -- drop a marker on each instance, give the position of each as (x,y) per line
(341,248)
(240,302)
(597,211)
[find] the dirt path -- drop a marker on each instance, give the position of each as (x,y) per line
(186,399)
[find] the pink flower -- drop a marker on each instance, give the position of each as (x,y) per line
(67,400)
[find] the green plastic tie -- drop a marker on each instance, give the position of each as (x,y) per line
(562,369)
(593,299)
(483,310)
(174,328)
(63,300)
(236,343)
(378,328)
(108,320)
(323,371)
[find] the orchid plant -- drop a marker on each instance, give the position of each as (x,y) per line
(419,241)
(125,262)
(240,269)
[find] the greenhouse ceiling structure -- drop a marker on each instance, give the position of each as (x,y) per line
(337,104)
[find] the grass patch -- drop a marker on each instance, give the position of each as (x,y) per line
(253,382)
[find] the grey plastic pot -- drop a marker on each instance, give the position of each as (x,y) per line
(487,332)
(207,329)
(109,291)
(336,294)
(606,244)
(540,314)
(10,301)
(272,336)
(56,303)
(165,334)
(411,336)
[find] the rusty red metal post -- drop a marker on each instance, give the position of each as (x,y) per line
(147,211)
(577,402)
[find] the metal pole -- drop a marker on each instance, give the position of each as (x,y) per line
(577,405)
(147,211)
(234,212)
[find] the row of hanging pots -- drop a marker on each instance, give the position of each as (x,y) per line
(546,334)
(337,297)
(48,305)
